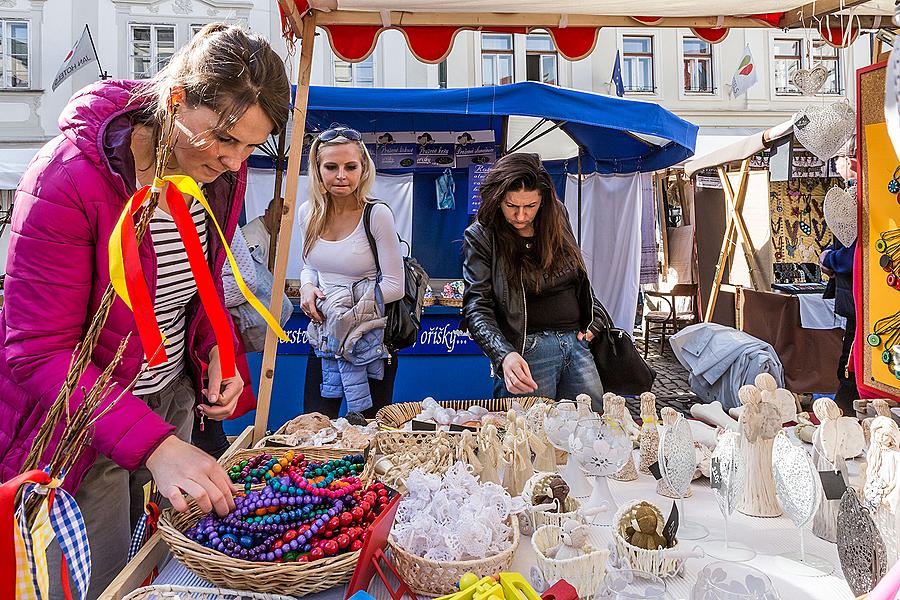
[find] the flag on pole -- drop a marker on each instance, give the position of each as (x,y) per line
(81,55)
(617,77)
(745,76)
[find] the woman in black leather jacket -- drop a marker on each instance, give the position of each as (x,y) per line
(528,302)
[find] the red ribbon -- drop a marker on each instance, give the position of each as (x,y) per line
(8,524)
(209,297)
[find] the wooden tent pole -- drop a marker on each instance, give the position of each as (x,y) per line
(301,100)
(735,204)
(728,240)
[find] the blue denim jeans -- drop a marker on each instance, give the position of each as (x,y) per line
(561,365)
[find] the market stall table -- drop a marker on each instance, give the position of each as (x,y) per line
(769,537)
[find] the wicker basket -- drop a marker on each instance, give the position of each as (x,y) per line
(428,301)
(585,572)
(454,302)
(393,442)
(322,453)
(658,562)
(395,416)
(431,578)
(293,578)
(542,517)
(178,592)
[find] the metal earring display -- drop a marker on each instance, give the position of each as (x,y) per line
(893,185)
(888,245)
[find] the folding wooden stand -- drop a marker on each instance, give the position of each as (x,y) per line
(736,227)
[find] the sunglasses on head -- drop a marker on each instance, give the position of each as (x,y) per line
(336,131)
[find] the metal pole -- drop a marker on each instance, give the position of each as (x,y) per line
(278,199)
(579,196)
(103,74)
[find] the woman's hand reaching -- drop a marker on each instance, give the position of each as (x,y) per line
(517,375)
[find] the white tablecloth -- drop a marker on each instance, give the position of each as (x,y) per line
(769,537)
(818,313)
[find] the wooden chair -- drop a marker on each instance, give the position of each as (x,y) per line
(670,321)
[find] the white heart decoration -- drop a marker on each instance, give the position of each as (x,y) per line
(797,482)
(892,98)
(840,213)
(810,81)
(731,462)
(676,456)
(824,129)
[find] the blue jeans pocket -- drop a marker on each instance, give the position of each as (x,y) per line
(531,342)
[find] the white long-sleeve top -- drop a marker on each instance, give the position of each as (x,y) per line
(343,262)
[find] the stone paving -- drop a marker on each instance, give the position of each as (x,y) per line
(671,385)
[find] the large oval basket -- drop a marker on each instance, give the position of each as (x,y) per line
(297,579)
(430,578)
(321,453)
(395,416)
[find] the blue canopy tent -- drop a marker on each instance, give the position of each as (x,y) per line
(614,135)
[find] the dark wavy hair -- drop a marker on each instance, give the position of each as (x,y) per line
(553,242)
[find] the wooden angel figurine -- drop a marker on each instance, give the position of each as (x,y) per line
(649,438)
(614,409)
(782,399)
(519,468)
(827,457)
(669,416)
(759,423)
(490,452)
(882,491)
(467,451)
(543,451)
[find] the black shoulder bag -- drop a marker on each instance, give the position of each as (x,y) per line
(621,367)
(404,316)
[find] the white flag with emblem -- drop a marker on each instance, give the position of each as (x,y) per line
(79,56)
(745,76)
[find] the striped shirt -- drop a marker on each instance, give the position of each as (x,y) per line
(175,287)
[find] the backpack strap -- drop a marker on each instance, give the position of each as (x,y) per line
(367,225)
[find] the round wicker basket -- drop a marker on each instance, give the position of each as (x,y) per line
(658,562)
(395,416)
(323,453)
(431,578)
(297,579)
(454,302)
(178,592)
(585,572)
(543,517)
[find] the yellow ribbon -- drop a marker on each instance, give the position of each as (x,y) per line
(188,186)
(41,534)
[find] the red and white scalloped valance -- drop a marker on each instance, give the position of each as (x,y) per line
(432,43)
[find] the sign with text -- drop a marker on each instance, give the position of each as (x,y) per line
(477,173)
(436,149)
(395,150)
(475,147)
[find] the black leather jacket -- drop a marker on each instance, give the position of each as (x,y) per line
(494,313)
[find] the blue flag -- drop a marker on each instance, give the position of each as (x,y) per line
(617,77)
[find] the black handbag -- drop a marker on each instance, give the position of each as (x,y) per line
(404,316)
(621,367)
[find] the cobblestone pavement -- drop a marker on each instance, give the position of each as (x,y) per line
(671,385)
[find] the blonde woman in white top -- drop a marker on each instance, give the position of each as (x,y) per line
(335,250)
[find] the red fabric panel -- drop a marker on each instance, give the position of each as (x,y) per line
(430,44)
(648,20)
(574,43)
(352,43)
(834,36)
(711,35)
(772,19)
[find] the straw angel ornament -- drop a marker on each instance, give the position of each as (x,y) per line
(882,492)
(614,409)
(519,468)
(490,453)
(649,438)
(759,423)
(543,450)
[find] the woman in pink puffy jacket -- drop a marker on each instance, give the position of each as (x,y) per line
(236,94)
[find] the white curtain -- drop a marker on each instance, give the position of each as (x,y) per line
(610,239)
(394,190)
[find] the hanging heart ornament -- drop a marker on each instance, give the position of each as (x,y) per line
(797,482)
(840,213)
(810,81)
(824,128)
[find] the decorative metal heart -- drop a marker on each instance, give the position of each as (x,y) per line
(731,465)
(840,213)
(797,482)
(824,129)
(677,460)
(859,544)
(810,81)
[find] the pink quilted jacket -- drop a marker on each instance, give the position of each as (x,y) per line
(65,208)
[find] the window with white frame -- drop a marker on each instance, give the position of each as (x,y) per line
(359,74)
(828,56)
(152,46)
(788,60)
(497,59)
(541,59)
(698,66)
(14,54)
(195,29)
(637,63)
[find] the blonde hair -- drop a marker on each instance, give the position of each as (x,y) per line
(318,197)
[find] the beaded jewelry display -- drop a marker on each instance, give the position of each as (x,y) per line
(306,511)
(264,467)
(886,334)
(893,185)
